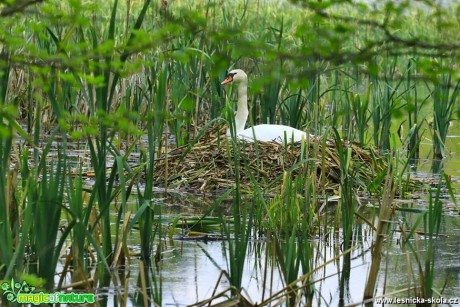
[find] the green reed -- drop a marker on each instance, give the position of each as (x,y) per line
(181,121)
(292,249)
(430,220)
(381,233)
(239,235)
(271,90)
(361,114)
(104,95)
(269,96)
(292,113)
(243,220)
(445,94)
(149,224)
(348,201)
(431,225)
(414,122)
(156,114)
(291,221)
(6,245)
(26,211)
(6,145)
(46,197)
(15,217)
(97,99)
(386,102)
(79,216)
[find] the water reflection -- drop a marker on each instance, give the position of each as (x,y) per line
(190,271)
(401,271)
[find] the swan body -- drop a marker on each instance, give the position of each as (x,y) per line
(265,132)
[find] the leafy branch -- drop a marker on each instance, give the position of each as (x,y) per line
(16,7)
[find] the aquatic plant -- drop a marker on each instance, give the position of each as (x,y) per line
(386,103)
(414,121)
(445,94)
(381,233)
(361,114)
(430,219)
(347,202)
(7,234)
(7,185)
(239,236)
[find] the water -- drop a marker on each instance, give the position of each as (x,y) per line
(191,271)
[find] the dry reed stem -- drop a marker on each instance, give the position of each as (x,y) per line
(381,234)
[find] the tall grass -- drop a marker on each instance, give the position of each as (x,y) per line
(293,252)
(101,96)
(387,102)
(430,220)
(380,233)
(46,198)
(80,231)
(291,221)
(361,115)
(431,225)
(345,209)
(6,144)
(414,121)
(7,237)
(239,236)
(445,94)
(347,195)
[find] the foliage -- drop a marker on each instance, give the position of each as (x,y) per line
(104,73)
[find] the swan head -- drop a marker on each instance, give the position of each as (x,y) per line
(237,76)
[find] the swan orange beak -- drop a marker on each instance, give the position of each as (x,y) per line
(227,80)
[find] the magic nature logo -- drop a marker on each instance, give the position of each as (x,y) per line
(23,293)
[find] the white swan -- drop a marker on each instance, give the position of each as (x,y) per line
(267,133)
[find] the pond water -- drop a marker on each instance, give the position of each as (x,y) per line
(191,270)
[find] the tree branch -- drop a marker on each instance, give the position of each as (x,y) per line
(17,6)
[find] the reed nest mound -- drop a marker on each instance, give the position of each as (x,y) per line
(208,164)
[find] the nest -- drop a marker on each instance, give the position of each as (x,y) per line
(212,162)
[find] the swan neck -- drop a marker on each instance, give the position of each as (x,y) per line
(242,111)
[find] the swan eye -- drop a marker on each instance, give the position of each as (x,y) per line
(229,78)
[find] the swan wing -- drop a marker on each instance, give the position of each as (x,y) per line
(272,133)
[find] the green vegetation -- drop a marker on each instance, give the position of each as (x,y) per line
(117,80)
